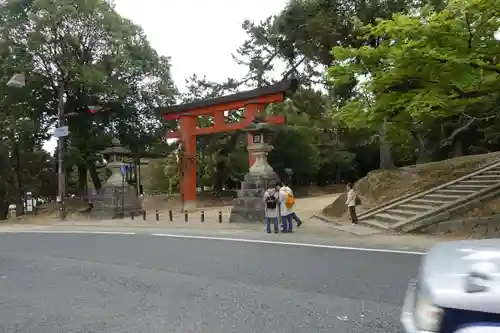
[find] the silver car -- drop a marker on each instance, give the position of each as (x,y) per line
(457,290)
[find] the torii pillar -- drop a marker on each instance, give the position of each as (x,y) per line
(253,101)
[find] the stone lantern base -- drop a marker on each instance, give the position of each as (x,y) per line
(249,205)
(116,199)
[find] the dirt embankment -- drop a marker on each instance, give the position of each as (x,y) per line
(482,209)
(381,186)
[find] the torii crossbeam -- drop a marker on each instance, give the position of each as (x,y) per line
(253,101)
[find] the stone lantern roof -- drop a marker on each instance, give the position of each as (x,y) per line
(259,125)
(116,149)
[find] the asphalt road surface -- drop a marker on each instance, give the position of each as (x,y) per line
(139,283)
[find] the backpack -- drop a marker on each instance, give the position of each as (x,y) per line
(271,201)
(357,201)
(290,200)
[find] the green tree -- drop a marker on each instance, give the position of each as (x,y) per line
(427,69)
(99,58)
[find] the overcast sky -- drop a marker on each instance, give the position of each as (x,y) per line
(198,35)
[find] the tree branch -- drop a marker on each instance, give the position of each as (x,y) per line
(469,28)
(458,131)
(490,68)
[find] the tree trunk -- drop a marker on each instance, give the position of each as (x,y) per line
(386,161)
(82,180)
(219,175)
(19,183)
(458,148)
(221,159)
(4,205)
(423,155)
(136,163)
(5,167)
(94,175)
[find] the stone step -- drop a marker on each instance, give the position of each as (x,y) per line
(416,207)
(430,201)
(374,223)
(487,177)
(474,187)
(388,218)
(491,172)
(455,191)
(402,212)
(478,181)
(481,181)
(442,197)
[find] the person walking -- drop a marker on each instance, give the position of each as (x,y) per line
(351,203)
(286,204)
(290,203)
(271,207)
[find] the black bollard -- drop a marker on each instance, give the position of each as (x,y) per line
(202,216)
(185,216)
(157,216)
(170,216)
(144,215)
(132,215)
(220,217)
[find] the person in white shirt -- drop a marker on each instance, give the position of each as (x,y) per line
(286,212)
(351,203)
(271,207)
(288,191)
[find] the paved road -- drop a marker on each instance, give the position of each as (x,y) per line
(139,283)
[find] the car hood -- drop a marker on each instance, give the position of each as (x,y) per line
(464,274)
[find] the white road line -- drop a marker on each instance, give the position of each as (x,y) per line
(70,232)
(228,239)
(260,241)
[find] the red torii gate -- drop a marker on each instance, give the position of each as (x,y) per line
(254,101)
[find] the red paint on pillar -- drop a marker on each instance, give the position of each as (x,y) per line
(251,158)
(188,174)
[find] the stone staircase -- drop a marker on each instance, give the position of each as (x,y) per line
(415,210)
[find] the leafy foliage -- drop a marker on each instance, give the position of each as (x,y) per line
(426,68)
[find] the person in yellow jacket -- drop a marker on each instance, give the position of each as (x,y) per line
(288,205)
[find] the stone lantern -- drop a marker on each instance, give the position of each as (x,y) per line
(114,156)
(249,205)
(260,148)
(116,198)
